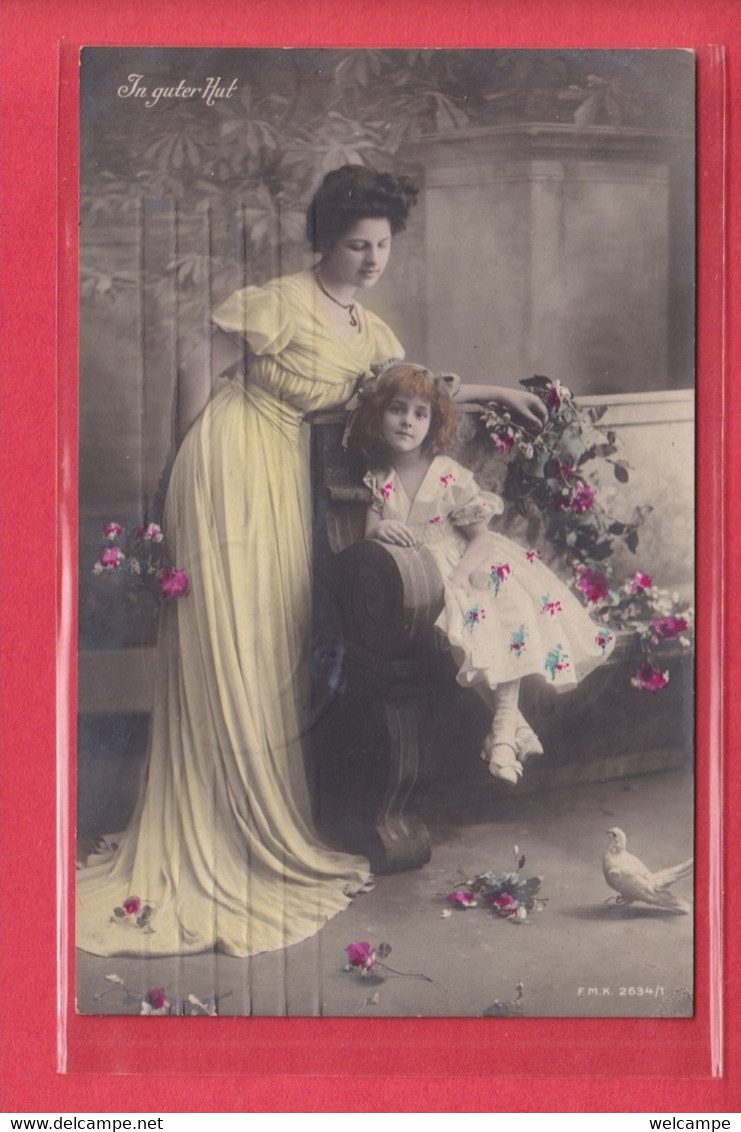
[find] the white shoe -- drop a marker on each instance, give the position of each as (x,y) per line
(527,742)
(502,760)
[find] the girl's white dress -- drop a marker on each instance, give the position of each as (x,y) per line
(221,847)
(518,619)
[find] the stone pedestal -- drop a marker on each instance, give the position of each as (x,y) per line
(548,249)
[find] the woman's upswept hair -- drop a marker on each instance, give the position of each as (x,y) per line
(402,378)
(352,193)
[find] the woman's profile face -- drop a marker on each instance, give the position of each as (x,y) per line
(358,258)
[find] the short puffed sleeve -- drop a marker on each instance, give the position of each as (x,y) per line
(260,315)
(469,504)
(386,346)
(378,489)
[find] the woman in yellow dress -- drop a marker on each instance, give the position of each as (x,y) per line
(221,852)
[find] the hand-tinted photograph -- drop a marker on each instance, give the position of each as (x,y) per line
(386,521)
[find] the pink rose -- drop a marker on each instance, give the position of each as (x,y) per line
(150,533)
(666,627)
(505,904)
(156,998)
(132,905)
(504,443)
(461,899)
(582,497)
(361,955)
(173,583)
(112,530)
(555,395)
(552,397)
(640,581)
(593,584)
(649,679)
(111,558)
(153,533)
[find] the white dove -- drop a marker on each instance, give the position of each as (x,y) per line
(633,881)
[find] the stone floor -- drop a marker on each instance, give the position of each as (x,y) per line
(580,956)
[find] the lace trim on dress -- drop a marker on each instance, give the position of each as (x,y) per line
(479,512)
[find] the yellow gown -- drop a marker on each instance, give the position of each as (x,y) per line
(221,846)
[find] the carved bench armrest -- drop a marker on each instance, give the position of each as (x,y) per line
(390,597)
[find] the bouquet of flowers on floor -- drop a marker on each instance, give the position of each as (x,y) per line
(139,558)
(509,894)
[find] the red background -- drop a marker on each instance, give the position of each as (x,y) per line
(322,1065)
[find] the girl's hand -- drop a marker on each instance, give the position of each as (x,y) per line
(395,532)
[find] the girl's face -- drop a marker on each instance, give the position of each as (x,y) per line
(358,259)
(405,423)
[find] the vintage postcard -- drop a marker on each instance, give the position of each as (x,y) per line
(386,515)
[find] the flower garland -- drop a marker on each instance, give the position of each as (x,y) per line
(546,473)
(661,620)
(546,477)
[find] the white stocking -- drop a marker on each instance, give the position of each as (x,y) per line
(500,747)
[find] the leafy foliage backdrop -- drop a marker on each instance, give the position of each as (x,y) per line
(251,162)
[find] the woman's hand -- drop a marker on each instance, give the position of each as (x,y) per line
(529,408)
(395,532)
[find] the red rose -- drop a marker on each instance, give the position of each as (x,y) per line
(640,581)
(156,998)
(111,558)
(361,955)
(649,679)
(582,497)
(173,583)
(505,903)
(462,899)
(666,627)
(593,584)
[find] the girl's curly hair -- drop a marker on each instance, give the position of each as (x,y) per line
(402,378)
(352,193)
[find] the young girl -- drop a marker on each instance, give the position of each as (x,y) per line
(506,615)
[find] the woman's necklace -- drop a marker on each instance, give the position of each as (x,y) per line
(351,308)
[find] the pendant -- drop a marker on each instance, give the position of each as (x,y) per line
(353,317)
